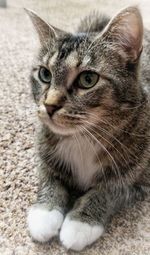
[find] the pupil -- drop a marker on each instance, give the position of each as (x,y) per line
(46,73)
(88,79)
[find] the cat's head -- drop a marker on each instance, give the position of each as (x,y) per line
(86,79)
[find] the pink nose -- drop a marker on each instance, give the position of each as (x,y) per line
(52,108)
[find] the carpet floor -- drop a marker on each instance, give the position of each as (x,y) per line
(129,232)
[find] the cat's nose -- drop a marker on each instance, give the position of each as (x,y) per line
(54,100)
(52,108)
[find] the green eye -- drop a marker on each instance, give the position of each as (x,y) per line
(88,79)
(45,75)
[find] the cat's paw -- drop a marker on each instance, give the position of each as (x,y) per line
(77,235)
(44,224)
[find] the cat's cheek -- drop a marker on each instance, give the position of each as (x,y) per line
(44,224)
(76,235)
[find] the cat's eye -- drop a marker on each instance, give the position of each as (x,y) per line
(44,75)
(87,79)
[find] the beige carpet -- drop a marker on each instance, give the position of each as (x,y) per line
(129,232)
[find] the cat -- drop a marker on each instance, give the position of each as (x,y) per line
(92,93)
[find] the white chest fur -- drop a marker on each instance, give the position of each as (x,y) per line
(81,154)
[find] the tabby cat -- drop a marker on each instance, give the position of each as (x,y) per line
(93,145)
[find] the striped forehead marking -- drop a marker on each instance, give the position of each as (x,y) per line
(86,60)
(72,59)
(45,58)
(53,59)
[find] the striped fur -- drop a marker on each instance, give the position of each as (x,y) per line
(95,149)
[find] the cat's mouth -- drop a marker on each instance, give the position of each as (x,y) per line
(59,122)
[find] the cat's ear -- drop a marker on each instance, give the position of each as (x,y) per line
(126,31)
(45,31)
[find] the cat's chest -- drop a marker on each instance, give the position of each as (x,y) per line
(81,155)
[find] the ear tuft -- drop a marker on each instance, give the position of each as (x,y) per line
(44,30)
(126,31)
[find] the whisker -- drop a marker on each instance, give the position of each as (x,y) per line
(81,153)
(111,135)
(126,162)
(107,123)
(100,163)
(107,152)
(117,169)
(107,141)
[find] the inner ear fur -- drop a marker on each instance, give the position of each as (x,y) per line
(125,31)
(45,31)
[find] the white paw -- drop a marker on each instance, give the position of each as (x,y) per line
(76,235)
(44,224)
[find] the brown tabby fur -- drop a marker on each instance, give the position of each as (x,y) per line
(113,117)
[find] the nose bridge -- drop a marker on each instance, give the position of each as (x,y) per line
(60,73)
(53,97)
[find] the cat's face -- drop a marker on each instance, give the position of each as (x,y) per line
(71,84)
(86,80)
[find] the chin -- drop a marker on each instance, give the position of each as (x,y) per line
(54,127)
(60,130)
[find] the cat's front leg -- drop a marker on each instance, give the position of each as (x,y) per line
(46,216)
(91,213)
(83,224)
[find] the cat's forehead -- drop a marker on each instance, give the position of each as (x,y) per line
(70,51)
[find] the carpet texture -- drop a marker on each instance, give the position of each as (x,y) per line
(129,232)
